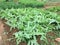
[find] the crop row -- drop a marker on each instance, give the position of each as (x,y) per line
(21,4)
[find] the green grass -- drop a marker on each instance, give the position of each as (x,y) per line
(32,3)
(57,33)
(30,23)
(21,4)
(54,9)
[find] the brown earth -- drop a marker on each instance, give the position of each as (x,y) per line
(49,5)
(2,36)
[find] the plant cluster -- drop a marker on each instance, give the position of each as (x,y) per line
(9,5)
(21,4)
(30,22)
(32,3)
(54,9)
(2,0)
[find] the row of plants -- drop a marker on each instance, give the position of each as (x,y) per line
(33,3)
(2,0)
(9,5)
(54,9)
(21,4)
(30,23)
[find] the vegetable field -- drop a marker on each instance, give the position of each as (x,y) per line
(29,22)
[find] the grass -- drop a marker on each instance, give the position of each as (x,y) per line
(55,9)
(31,22)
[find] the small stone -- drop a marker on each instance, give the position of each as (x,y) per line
(57,39)
(0,38)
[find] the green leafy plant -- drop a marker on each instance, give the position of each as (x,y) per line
(33,3)
(54,9)
(30,22)
(21,4)
(9,5)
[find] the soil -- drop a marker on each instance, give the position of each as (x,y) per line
(3,34)
(49,5)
